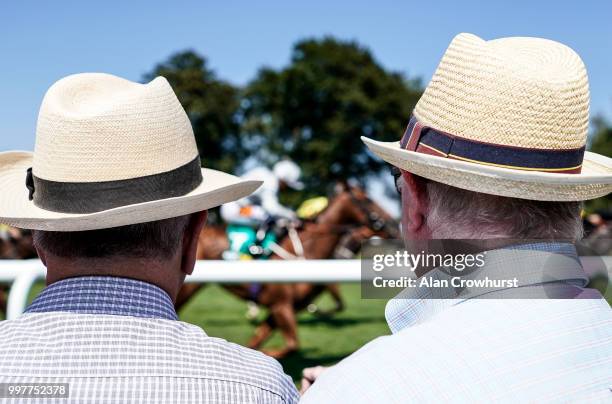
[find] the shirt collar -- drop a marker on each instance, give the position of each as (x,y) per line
(533,261)
(105,295)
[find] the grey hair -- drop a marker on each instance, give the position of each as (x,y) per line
(157,240)
(455,213)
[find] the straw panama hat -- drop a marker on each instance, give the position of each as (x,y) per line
(110,152)
(506,117)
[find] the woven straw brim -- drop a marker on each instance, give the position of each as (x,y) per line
(594,181)
(17,210)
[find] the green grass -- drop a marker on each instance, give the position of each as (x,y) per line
(322,341)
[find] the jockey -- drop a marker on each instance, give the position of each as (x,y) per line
(263,204)
(257,211)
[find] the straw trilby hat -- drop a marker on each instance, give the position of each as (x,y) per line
(505,117)
(110,152)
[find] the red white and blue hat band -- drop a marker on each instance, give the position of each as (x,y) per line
(422,139)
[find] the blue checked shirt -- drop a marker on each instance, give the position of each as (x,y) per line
(490,350)
(117,340)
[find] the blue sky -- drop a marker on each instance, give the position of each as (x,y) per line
(41,42)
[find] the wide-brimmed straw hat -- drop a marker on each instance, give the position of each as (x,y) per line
(505,117)
(110,152)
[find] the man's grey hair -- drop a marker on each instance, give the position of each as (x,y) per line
(455,213)
(157,240)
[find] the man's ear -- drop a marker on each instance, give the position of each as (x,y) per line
(190,241)
(39,251)
(414,204)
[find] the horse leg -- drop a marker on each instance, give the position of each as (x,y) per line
(306,294)
(185,293)
(334,290)
(262,333)
(285,321)
(279,299)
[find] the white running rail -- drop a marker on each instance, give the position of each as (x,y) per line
(22,274)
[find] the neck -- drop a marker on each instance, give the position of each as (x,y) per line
(156,272)
(337,213)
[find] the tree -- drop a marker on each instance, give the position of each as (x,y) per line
(211,104)
(316,109)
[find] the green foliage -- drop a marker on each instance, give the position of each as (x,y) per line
(601,143)
(211,104)
(316,109)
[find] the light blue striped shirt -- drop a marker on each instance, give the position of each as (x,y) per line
(105,295)
(484,350)
(117,340)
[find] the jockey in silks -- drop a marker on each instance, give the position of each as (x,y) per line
(249,219)
(262,205)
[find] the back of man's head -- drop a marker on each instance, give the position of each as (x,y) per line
(161,252)
(458,213)
(158,240)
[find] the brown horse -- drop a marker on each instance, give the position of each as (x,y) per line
(350,215)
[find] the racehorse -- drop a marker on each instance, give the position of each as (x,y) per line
(350,214)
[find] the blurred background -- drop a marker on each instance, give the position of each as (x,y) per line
(270,80)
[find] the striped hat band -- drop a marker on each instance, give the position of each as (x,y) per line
(422,139)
